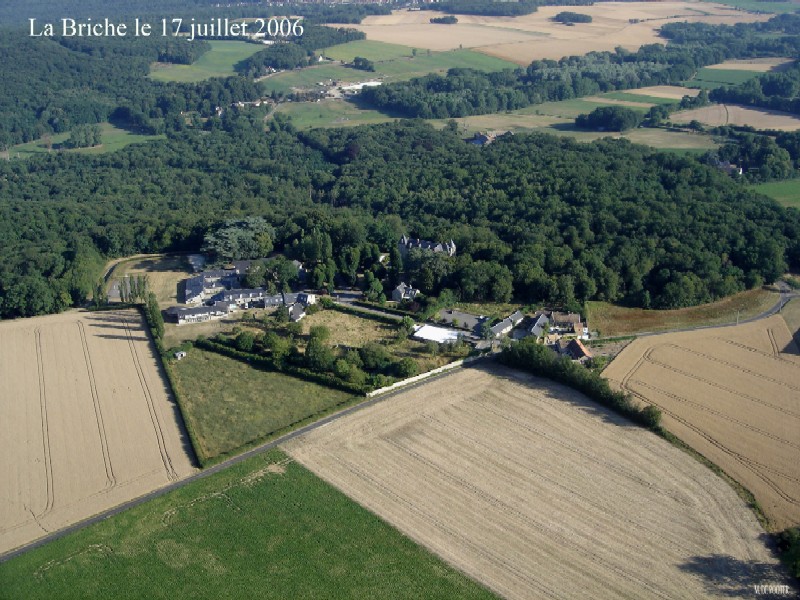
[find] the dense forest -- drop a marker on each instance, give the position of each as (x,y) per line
(534,217)
(464,92)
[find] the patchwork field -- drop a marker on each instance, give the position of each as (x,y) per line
(264,528)
(731,114)
(535,36)
(86,421)
(717,76)
(669,92)
(535,491)
(732,394)
(758,65)
(390,65)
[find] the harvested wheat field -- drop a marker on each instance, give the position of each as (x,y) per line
(759,65)
(716,115)
(732,394)
(86,421)
(671,92)
(535,36)
(536,492)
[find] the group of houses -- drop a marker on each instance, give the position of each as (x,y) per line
(215,293)
(563,332)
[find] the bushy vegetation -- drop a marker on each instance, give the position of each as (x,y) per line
(543,362)
(609,118)
(493,8)
(572,17)
(446,20)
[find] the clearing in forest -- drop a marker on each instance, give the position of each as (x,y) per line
(716,115)
(732,394)
(86,421)
(535,491)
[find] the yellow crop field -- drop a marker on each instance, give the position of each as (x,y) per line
(535,36)
(732,394)
(535,491)
(86,421)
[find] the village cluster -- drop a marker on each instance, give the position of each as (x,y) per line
(216,293)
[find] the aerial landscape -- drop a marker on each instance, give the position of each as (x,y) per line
(400,299)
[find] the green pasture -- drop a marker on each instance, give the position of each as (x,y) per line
(786,193)
(113,138)
(266,528)
(227,403)
(217,62)
(627,96)
(330,113)
(714,78)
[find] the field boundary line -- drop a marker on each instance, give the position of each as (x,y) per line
(111,480)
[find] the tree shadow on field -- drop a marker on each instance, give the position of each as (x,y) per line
(553,390)
(122,337)
(729,577)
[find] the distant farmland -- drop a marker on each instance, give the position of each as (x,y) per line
(217,62)
(537,492)
(87,421)
(731,394)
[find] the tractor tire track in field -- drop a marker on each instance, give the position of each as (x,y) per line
(732,365)
(745,462)
(111,480)
(495,558)
(162,446)
(714,384)
(48,462)
(774,355)
(477,443)
(504,508)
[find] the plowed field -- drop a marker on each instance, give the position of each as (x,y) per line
(537,492)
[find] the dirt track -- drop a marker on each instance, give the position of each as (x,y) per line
(538,493)
(733,394)
(535,36)
(85,421)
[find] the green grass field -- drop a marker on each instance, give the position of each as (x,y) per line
(714,78)
(217,62)
(228,404)
(757,6)
(786,193)
(113,138)
(398,67)
(638,98)
(374,51)
(569,109)
(266,528)
(330,113)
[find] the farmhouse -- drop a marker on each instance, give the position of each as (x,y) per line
(199,314)
(296,312)
(505,326)
(540,324)
(574,349)
(463,320)
(404,292)
(406,243)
